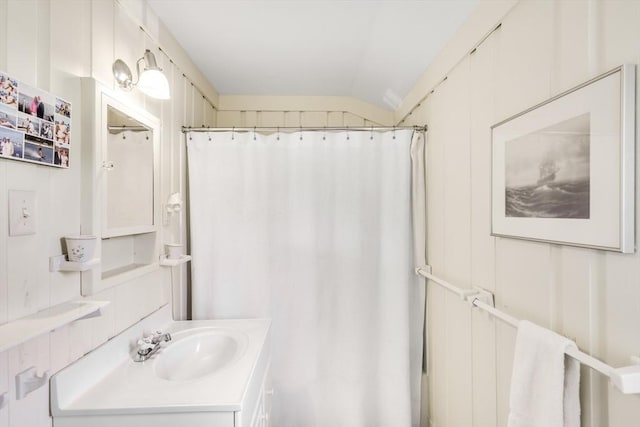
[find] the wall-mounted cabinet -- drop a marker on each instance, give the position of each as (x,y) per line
(120,188)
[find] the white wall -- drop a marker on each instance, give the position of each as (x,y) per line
(542,48)
(50,44)
(293,111)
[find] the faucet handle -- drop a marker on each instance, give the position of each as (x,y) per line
(145,343)
(159,337)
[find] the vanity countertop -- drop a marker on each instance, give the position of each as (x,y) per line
(108,382)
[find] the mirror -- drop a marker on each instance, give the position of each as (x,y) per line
(129,160)
(128,168)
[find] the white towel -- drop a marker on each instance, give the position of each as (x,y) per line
(545,384)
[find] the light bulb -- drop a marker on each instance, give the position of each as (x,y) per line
(154,84)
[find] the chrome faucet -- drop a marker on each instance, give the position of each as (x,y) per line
(149,345)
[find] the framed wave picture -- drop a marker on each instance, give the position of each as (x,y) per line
(563,171)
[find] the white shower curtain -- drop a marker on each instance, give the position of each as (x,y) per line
(314,230)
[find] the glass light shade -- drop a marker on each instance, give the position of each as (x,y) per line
(154,84)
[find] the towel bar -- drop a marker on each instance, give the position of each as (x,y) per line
(626,379)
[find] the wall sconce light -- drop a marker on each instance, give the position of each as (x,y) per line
(151,81)
(174,206)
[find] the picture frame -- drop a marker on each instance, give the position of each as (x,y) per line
(563,171)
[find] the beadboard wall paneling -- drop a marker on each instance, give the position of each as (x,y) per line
(541,49)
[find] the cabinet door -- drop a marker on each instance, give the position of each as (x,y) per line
(259,419)
(267,399)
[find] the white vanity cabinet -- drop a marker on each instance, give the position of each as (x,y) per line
(177,386)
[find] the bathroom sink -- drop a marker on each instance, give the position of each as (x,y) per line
(194,354)
(211,373)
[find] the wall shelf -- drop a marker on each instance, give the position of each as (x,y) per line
(115,272)
(166,262)
(60,263)
(21,330)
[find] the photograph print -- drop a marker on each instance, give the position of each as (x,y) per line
(61,157)
(36,102)
(46,130)
(563,171)
(38,140)
(11,143)
(8,90)
(62,130)
(63,107)
(38,153)
(28,124)
(547,172)
(8,117)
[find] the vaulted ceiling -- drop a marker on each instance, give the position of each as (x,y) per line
(374,51)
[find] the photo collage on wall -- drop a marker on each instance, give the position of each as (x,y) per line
(35,126)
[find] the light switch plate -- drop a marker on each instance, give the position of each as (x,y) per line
(22,212)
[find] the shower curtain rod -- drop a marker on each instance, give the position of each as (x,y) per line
(186,129)
(118,129)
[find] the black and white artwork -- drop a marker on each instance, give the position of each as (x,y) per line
(547,172)
(563,171)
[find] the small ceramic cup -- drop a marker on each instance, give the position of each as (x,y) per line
(80,248)
(174,250)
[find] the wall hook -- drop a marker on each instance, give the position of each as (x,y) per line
(108,165)
(28,381)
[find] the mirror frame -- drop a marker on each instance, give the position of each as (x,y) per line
(95,100)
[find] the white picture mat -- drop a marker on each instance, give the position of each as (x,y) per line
(602,100)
